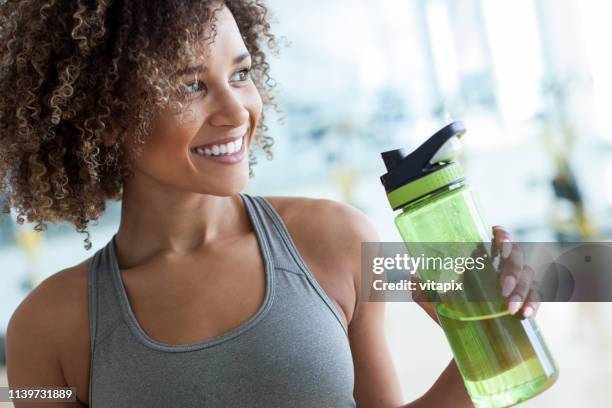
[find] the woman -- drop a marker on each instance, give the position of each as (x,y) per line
(204,296)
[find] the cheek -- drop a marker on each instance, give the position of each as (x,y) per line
(167,145)
(174,134)
(254,103)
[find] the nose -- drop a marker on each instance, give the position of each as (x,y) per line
(228,109)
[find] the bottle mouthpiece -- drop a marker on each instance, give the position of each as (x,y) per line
(437,153)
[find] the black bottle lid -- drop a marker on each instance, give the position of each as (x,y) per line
(403,168)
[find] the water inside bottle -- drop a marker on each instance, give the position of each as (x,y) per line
(501,357)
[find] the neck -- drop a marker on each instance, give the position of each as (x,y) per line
(161,219)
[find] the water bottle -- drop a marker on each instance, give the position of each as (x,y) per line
(502,358)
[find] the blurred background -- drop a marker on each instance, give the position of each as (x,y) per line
(529,78)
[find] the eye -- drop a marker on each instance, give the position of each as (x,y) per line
(194,87)
(242,75)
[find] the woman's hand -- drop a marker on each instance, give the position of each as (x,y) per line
(516,279)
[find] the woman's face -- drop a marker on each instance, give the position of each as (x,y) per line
(205,149)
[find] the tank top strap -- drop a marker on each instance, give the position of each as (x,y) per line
(104,308)
(285,254)
(280,246)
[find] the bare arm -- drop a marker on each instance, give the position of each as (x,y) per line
(32,345)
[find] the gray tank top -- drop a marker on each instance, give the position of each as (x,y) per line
(293,352)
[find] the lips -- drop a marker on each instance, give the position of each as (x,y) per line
(224,149)
(236,136)
(230,150)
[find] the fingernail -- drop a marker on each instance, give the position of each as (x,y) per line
(515,304)
(528,311)
(508,285)
(506,248)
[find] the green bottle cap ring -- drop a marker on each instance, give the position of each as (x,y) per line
(425,185)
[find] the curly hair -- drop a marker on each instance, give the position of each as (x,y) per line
(67,70)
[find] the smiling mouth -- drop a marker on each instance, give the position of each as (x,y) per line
(221,149)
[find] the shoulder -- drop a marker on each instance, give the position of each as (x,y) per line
(329,219)
(328,234)
(55,294)
(52,321)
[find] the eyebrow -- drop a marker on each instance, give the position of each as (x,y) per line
(201,68)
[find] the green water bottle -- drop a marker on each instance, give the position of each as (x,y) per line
(502,358)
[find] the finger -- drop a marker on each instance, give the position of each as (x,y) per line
(503,242)
(511,270)
(519,294)
(502,238)
(532,304)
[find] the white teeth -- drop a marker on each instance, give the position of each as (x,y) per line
(217,150)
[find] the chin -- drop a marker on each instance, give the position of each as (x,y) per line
(226,187)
